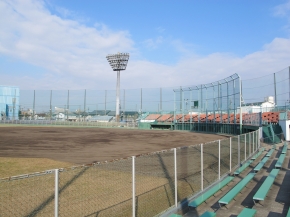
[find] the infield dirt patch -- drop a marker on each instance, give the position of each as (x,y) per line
(80,145)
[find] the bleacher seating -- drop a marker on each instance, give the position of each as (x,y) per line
(265,187)
(258,154)
(270,152)
(280,161)
(208,214)
(202,198)
(246,212)
(285,148)
(164,117)
(261,164)
(152,117)
(269,117)
(235,190)
(243,167)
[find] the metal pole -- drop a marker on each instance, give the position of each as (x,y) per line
(141,101)
(56,193)
(105,102)
(124,108)
(33,104)
(67,105)
(175,177)
(118,97)
(219,159)
(160,99)
(50,104)
(201,166)
(289,83)
(241,114)
(230,153)
(85,103)
(254,141)
(245,147)
(239,153)
(174,110)
(275,89)
(133,187)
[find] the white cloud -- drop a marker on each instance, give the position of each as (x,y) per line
(73,54)
(283,9)
(153,43)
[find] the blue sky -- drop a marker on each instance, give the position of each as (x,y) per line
(62,44)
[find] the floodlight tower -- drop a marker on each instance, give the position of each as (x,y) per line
(118,62)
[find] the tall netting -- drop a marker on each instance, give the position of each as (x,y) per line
(98,190)
(154,183)
(276,85)
(188,171)
(219,99)
(27,195)
(210,162)
(225,156)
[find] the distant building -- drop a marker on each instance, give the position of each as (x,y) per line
(257,107)
(9,102)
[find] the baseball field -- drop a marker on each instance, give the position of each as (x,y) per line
(26,149)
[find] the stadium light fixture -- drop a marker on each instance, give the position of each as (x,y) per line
(118,62)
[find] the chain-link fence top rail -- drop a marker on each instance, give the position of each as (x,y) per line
(105,188)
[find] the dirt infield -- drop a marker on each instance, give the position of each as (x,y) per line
(87,145)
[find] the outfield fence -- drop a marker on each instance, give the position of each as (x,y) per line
(144,185)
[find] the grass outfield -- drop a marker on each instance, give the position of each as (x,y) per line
(17,166)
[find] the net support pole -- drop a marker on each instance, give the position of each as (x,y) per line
(239,152)
(230,153)
(245,147)
(219,159)
(201,166)
(33,113)
(56,193)
(175,177)
(133,187)
(275,89)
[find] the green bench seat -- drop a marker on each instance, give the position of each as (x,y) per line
(199,200)
(208,214)
(258,154)
(175,215)
(270,152)
(288,213)
(246,212)
(285,148)
(261,164)
(242,168)
(265,187)
(280,161)
(235,190)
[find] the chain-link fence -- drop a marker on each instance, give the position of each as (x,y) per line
(144,185)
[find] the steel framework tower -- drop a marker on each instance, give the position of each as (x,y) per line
(118,62)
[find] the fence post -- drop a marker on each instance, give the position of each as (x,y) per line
(239,153)
(230,153)
(245,147)
(56,193)
(201,165)
(255,148)
(175,177)
(219,159)
(133,187)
